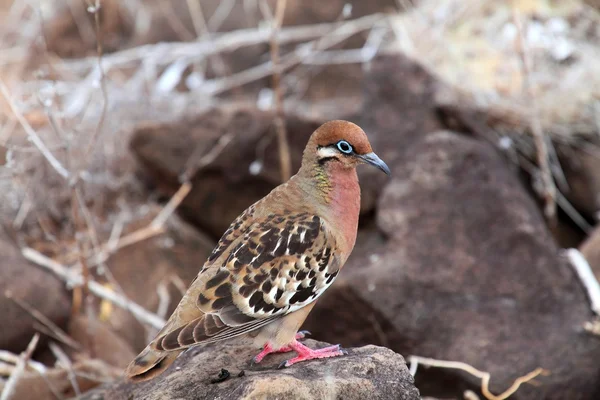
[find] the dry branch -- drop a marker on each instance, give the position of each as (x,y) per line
(156,227)
(95,9)
(167,53)
(302,53)
(24,358)
(174,22)
(79,292)
(164,299)
(74,279)
(55,330)
(587,277)
(484,376)
(64,361)
(9,358)
(540,140)
(192,166)
(285,160)
(197,15)
(32,134)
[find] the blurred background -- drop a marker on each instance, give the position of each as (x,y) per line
(133,132)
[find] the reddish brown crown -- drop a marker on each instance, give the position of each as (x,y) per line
(333,131)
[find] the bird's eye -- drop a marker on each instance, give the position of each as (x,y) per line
(344,147)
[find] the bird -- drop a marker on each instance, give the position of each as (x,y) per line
(275,260)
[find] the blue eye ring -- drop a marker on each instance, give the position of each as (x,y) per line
(344,147)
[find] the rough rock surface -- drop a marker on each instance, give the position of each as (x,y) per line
(470,273)
(32,285)
(368,372)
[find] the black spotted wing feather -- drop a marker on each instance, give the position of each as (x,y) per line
(261,270)
(282,266)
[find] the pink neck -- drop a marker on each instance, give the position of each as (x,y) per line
(344,197)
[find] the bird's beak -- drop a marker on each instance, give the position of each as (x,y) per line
(373,159)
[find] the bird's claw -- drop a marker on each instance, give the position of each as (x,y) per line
(305,353)
(302,334)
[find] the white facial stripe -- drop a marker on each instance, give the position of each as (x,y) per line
(325,152)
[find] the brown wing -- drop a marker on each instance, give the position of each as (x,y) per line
(274,266)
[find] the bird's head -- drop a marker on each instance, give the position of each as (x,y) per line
(341,143)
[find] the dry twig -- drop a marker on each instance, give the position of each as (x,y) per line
(285,160)
(95,10)
(71,278)
(174,22)
(32,134)
(64,361)
(197,15)
(79,292)
(302,54)
(24,358)
(55,330)
(154,228)
(541,144)
(159,221)
(166,53)
(192,166)
(9,358)
(484,376)
(587,277)
(164,299)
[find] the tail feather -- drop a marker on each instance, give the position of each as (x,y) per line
(150,363)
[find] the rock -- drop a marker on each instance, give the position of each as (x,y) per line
(399,108)
(470,273)
(368,372)
(142,267)
(30,284)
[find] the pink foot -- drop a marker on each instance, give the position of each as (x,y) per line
(306,353)
(267,349)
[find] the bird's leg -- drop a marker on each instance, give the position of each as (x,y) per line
(306,353)
(267,349)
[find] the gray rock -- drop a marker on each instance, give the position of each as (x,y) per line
(368,372)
